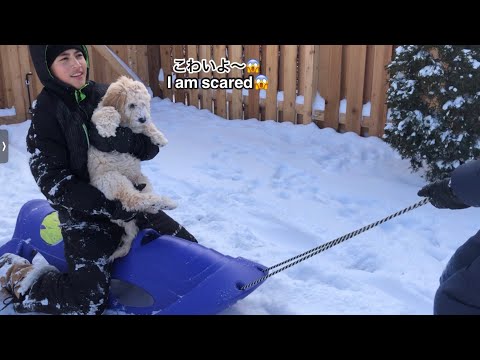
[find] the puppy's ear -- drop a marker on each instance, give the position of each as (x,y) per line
(116,96)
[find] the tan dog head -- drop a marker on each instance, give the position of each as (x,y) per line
(131,99)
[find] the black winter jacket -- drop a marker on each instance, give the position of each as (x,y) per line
(58,143)
(459,290)
(465,183)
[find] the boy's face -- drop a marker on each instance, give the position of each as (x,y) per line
(70,67)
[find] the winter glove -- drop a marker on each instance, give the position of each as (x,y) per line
(124,141)
(119,213)
(441,195)
(121,142)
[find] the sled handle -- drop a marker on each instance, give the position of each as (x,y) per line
(144,237)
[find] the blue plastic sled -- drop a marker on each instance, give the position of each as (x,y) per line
(160,275)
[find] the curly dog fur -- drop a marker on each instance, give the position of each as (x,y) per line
(126,103)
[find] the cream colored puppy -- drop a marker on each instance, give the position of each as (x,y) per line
(126,103)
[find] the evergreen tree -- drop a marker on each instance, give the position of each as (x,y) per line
(434,105)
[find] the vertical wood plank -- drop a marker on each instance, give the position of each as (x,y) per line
(369,69)
(205,53)
(308,81)
(289,63)
(271,72)
(131,60)
(219,52)
(179,54)
(25,68)
(316,70)
(354,86)
(153,56)
(99,67)
(281,79)
(142,64)
(299,107)
(253,108)
(37,85)
(91,72)
(97,64)
(235,106)
(332,84)
(167,65)
(121,51)
(323,69)
(192,94)
(378,115)
(8,87)
(345,59)
(107,71)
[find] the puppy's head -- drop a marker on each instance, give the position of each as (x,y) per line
(132,101)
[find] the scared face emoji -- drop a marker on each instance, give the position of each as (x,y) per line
(253,67)
(261,82)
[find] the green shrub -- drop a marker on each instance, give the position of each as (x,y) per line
(434,106)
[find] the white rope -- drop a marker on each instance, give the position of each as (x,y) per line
(308,254)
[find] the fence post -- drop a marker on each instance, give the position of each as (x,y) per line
(253,107)
(307,82)
(236,104)
(270,60)
(205,53)
(378,114)
(192,94)
(333,73)
(354,86)
(153,55)
(219,52)
(288,55)
(166,66)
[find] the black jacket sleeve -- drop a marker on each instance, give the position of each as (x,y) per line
(124,141)
(49,165)
(465,182)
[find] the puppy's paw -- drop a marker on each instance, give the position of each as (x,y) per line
(168,204)
(106,120)
(159,139)
(162,203)
(120,252)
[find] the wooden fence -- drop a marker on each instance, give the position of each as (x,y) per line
(337,86)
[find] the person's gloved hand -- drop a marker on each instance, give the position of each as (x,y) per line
(119,213)
(123,141)
(441,195)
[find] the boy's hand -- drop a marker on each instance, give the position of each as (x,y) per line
(123,141)
(119,213)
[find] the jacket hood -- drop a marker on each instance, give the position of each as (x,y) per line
(39,59)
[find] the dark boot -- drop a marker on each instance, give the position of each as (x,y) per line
(17,275)
(164,225)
